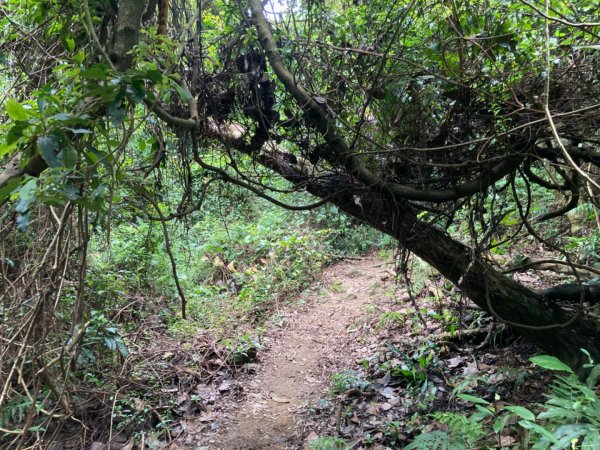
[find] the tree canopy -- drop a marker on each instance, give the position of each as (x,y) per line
(457,127)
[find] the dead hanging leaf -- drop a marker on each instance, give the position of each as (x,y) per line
(403,297)
(507,441)
(311,437)
(372,410)
(385,380)
(278,399)
(388,392)
(174,446)
(153,440)
(394,401)
(129,445)
(231,267)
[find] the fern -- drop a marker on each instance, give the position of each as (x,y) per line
(463,432)
(572,414)
(433,440)
(462,429)
(327,443)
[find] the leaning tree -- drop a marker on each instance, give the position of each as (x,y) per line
(419,118)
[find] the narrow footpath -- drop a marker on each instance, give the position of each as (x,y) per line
(319,335)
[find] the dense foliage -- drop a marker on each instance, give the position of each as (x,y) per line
(137,163)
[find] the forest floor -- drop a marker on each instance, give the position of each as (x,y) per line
(321,334)
(396,363)
(354,361)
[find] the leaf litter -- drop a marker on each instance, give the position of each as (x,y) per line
(349,358)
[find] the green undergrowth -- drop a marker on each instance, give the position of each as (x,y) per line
(469,412)
(568,419)
(238,260)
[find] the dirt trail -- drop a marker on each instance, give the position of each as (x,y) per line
(318,339)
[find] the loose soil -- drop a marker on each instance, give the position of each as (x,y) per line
(322,336)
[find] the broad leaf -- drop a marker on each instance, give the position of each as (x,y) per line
(522,412)
(473,399)
(49,149)
(15,110)
(26,196)
(541,430)
(96,72)
(550,363)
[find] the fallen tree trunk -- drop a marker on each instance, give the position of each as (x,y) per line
(557,331)
(553,329)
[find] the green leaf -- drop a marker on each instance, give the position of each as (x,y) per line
(6,148)
(96,72)
(500,423)
(110,343)
(122,348)
(79,57)
(16,132)
(70,44)
(69,191)
(153,75)
(522,412)
(116,113)
(79,130)
(137,90)
(591,440)
(473,399)
(23,222)
(26,195)
(10,187)
(483,413)
(69,156)
(42,103)
(550,363)
(62,117)
(184,93)
(49,148)
(592,378)
(15,110)
(539,429)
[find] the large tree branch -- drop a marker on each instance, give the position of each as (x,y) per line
(339,151)
(505,298)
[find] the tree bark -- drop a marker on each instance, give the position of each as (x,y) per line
(127,33)
(550,327)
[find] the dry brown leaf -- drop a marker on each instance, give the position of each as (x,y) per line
(278,399)
(454,362)
(507,441)
(129,445)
